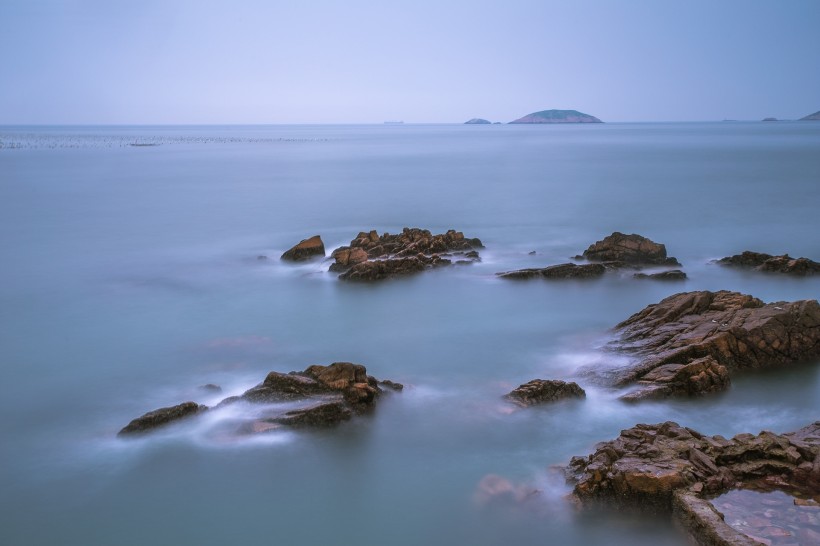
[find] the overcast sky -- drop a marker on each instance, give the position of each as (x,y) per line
(350,61)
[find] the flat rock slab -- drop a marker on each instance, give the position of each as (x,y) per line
(671,275)
(561,271)
(758,261)
(689,342)
(161,417)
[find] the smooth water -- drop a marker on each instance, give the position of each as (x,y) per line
(130,277)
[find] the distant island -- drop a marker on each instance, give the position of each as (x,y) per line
(812,117)
(477,121)
(770,119)
(558,116)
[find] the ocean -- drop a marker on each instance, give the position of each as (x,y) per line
(131,277)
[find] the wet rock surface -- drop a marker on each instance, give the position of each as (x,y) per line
(561,271)
(374,257)
(767,263)
(629,249)
(161,417)
(544,391)
(671,275)
(319,396)
(305,250)
(689,342)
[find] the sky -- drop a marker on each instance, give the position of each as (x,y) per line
(419,61)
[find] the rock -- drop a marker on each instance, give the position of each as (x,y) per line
(671,275)
(210,387)
(392,385)
(261,257)
(477,121)
(561,271)
(373,257)
(773,264)
(669,468)
(161,417)
(688,342)
(812,117)
(305,250)
(770,119)
(557,116)
(630,249)
(542,391)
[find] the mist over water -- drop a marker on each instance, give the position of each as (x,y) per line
(131,278)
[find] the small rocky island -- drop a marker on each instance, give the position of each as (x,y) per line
(478,121)
(321,396)
(758,261)
(688,343)
(557,116)
(374,257)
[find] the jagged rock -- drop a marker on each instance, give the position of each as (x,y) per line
(373,257)
(630,249)
(669,468)
(542,391)
(305,250)
(671,275)
(161,417)
(561,271)
(773,264)
(716,330)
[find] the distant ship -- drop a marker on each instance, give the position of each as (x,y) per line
(394,123)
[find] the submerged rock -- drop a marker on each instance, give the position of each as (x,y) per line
(671,275)
(542,391)
(669,468)
(630,249)
(689,342)
(374,257)
(161,417)
(772,264)
(561,271)
(305,250)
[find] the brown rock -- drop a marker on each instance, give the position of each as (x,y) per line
(161,417)
(759,261)
(671,275)
(631,249)
(542,391)
(562,271)
(305,250)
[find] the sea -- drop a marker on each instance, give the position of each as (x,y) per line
(131,276)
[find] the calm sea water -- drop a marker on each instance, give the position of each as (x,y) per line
(130,278)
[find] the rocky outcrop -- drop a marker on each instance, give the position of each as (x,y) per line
(812,117)
(759,261)
(161,417)
(321,395)
(669,468)
(689,342)
(543,391)
(557,116)
(561,271)
(373,257)
(671,275)
(477,121)
(628,249)
(305,250)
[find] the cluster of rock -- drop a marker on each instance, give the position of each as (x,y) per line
(689,342)
(329,395)
(669,468)
(373,257)
(543,391)
(616,251)
(759,261)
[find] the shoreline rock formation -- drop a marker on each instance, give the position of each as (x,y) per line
(543,391)
(374,257)
(767,263)
(689,342)
(327,395)
(667,468)
(557,116)
(305,250)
